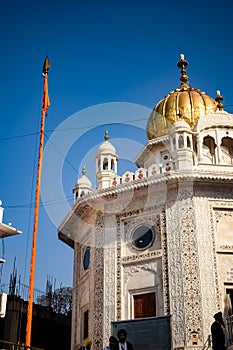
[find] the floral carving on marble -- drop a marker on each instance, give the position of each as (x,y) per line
(97,316)
(183,256)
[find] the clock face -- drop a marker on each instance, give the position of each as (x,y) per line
(86,258)
(143,236)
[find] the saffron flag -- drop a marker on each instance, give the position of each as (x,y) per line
(46,102)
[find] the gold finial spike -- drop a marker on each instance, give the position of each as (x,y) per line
(84,170)
(219,100)
(106,136)
(183,64)
(46,65)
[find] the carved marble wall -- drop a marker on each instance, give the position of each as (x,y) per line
(147,269)
(96,318)
(187,264)
(223,243)
(81,295)
(207,264)
(183,262)
(109,278)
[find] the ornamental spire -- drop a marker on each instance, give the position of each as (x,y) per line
(46,65)
(106,136)
(45,101)
(183,64)
(219,100)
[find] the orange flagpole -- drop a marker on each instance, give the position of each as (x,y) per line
(45,106)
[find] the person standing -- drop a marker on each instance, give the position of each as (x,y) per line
(218,333)
(123,344)
(113,344)
(87,344)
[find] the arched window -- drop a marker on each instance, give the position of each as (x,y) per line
(174,142)
(208,149)
(181,141)
(105,164)
(195,145)
(227,150)
(112,165)
(227,142)
(188,142)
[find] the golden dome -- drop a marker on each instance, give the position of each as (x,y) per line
(184,103)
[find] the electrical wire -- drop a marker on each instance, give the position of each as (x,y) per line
(62,155)
(44,204)
(64,199)
(65,129)
(31,198)
(75,128)
(18,136)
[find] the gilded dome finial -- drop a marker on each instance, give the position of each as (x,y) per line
(106,137)
(183,64)
(84,170)
(219,100)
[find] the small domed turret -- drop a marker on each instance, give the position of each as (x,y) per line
(106,163)
(83,186)
(106,147)
(179,125)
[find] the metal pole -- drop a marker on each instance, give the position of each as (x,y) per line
(36,209)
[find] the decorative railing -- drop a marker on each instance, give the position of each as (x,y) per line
(207,344)
(229,324)
(21,290)
(7,345)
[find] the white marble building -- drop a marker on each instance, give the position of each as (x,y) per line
(158,241)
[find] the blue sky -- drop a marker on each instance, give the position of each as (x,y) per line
(101,52)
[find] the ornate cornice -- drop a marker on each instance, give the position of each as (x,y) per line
(173,176)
